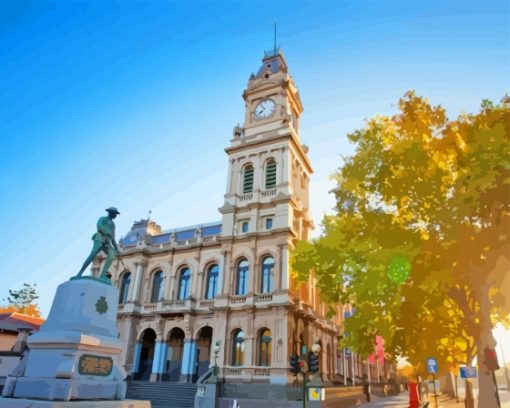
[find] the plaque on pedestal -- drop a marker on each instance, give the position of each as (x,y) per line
(73,359)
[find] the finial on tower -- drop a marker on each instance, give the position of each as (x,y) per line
(275,50)
(274,38)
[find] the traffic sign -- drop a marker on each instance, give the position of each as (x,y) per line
(432,365)
(316,394)
(347,352)
(468,372)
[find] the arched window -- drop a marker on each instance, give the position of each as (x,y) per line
(124,287)
(248,179)
(212,282)
(265,348)
(157,287)
(243,268)
(266,284)
(270,174)
(238,348)
(184,284)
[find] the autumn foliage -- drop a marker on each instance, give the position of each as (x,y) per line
(23,301)
(419,242)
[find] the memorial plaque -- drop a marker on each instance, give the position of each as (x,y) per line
(95,365)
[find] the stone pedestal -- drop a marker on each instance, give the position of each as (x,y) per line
(75,354)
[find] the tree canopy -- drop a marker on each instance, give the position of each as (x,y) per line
(23,300)
(419,241)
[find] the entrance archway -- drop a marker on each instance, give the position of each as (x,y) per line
(204,339)
(146,355)
(175,343)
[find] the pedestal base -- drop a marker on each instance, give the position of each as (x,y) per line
(64,389)
(26,403)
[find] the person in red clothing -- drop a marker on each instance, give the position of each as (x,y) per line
(414,396)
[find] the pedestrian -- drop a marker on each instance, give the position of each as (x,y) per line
(386,389)
(366,388)
(424,390)
(414,397)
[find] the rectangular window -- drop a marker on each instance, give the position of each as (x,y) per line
(248,180)
(244,226)
(269,223)
(270,175)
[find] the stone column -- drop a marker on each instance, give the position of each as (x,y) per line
(158,364)
(135,295)
(221,275)
(194,279)
(189,361)
(255,278)
(229,176)
(167,291)
(250,357)
(132,283)
(200,285)
(136,357)
(228,273)
(284,171)
(284,273)
(278,270)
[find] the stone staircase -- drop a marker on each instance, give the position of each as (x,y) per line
(163,394)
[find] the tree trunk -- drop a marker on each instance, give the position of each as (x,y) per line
(447,385)
(469,399)
(487,390)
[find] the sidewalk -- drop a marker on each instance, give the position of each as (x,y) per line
(402,401)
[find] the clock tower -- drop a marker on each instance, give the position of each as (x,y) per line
(269,169)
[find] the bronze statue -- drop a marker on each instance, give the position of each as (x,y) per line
(104,240)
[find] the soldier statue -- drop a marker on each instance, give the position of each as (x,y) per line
(104,240)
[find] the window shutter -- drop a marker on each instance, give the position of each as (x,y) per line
(248,180)
(271,175)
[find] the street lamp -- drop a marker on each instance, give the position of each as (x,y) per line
(316,348)
(216,350)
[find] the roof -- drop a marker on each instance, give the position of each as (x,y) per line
(139,232)
(18,321)
(273,62)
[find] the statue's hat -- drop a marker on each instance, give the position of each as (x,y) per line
(113,209)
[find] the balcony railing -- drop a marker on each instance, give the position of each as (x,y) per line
(151,307)
(246,197)
(233,371)
(261,372)
(269,193)
(238,299)
(206,303)
(264,298)
(171,305)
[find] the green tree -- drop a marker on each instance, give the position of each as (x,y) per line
(23,300)
(419,243)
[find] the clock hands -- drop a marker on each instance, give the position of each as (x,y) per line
(264,109)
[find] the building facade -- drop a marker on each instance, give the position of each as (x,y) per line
(184,289)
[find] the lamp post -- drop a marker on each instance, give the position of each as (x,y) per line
(216,350)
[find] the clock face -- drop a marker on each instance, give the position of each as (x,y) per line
(265,109)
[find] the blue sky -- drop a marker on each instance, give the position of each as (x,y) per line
(131,103)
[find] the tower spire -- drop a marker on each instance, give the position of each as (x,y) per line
(274,38)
